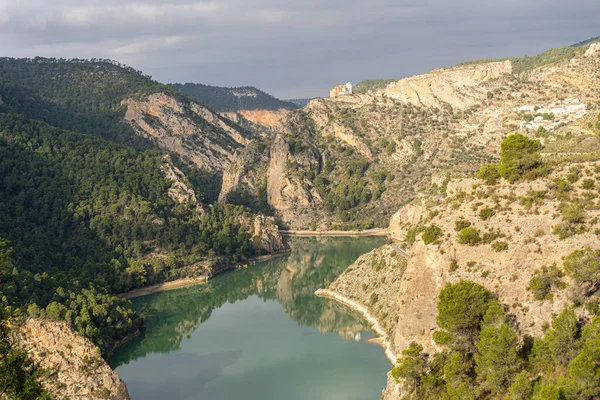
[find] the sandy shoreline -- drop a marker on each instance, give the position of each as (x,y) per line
(375,325)
(366,232)
(186,282)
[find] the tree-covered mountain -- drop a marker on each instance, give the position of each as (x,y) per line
(77,95)
(90,207)
(232,99)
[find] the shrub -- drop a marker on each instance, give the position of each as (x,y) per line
(584,266)
(461,224)
(499,246)
(562,188)
(374,298)
(593,307)
(544,280)
(588,184)
(411,234)
(490,236)
(489,173)
(431,234)
(565,230)
(574,174)
(453,265)
(486,213)
(573,213)
(469,236)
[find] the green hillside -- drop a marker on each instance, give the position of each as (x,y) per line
(232,99)
(85,206)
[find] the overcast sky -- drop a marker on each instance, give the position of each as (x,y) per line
(291,48)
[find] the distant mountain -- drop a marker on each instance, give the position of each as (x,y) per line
(586,42)
(300,102)
(232,99)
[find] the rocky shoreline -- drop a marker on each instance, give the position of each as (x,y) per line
(364,311)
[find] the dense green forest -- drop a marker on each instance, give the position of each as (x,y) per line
(87,218)
(232,99)
(77,95)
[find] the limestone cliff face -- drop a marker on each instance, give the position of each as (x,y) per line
(266,229)
(327,126)
(231,177)
(75,369)
(195,133)
(276,179)
(180,190)
(284,193)
(459,87)
(408,216)
(248,168)
(267,118)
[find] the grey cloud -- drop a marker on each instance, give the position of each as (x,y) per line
(288,47)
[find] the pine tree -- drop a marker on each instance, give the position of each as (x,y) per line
(497,360)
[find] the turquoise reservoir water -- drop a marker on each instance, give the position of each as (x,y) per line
(258,333)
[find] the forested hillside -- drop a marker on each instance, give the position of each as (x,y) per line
(88,208)
(232,99)
(78,95)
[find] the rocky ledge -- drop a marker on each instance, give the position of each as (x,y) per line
(73,365)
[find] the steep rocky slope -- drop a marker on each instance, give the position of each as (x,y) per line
(524,231)
(459,88)
(195,133)
(73,366)
(419,130)
(520,236)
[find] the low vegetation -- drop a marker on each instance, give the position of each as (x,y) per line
(470,236)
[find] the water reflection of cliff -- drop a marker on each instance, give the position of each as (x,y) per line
(291,280)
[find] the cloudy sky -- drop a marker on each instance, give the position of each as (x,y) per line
(291,48)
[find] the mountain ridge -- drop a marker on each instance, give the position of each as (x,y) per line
(228,99)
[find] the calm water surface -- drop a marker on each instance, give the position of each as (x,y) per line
(258,334)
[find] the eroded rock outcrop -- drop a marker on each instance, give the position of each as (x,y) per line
(186,128)
(406,217)
(266,229)
(180,190)
(592,50)
(460,87)
(75,368)
(267,118)
(283,193)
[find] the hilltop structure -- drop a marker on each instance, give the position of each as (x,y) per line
(341,90)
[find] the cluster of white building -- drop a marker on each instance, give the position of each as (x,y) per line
(567,111)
